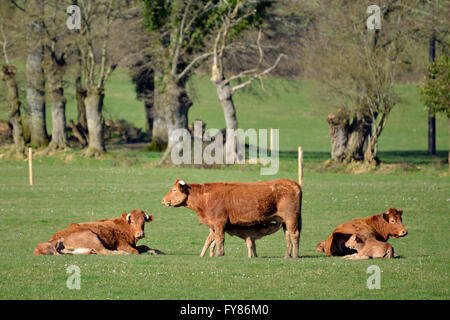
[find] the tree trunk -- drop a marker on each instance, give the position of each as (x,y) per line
(177,110)
(59,134)
(339,130)
(225,95)
(357,144)
(348,141)
(95,122)
(80,96)
(171,105)
(149,106)
(36,79)
(9,76)
(36,99)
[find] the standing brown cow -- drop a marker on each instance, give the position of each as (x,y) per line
(380,227)
(221,204)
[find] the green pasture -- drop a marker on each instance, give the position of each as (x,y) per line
(69,188)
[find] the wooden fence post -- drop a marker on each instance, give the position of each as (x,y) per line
(30,164)
(271,140)
(300,166)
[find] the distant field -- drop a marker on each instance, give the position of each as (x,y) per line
(69,188)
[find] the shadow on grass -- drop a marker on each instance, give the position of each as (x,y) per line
(281,257)
(410,156)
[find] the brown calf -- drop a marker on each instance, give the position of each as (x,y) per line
(109,236)
(242,204)
(249,234)
(368,248)
(56,248)
(380,227)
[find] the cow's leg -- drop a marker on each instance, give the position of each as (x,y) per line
(254,248)
(249,243)
(211,248)
(287,254)
(356,256)
(295,240)
(290,213)
(208,242)
(219,239)
(125,247)
(350,256)
(78,251)
(292,234)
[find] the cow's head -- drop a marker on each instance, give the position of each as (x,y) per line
(395,226)
(49,248)
(353,242)
(136,220)
(177,195)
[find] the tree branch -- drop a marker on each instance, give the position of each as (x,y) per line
(257,76)
(102,77)
(4,43)
(179,43)
(197,59)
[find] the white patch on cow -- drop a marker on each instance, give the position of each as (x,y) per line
(81,251)
(182,182)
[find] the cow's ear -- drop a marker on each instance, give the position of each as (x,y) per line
(386,216)
(148,217)
(400,212)
(183,185)
(126,216)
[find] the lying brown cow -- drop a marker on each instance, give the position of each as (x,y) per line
(242,204)
(249,234)
(109,236)
(380,227)
(368,248)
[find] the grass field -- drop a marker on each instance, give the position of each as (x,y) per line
(69,188)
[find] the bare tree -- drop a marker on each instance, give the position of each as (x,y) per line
(360,65)
(97,18)
(225,90)
(180,29)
